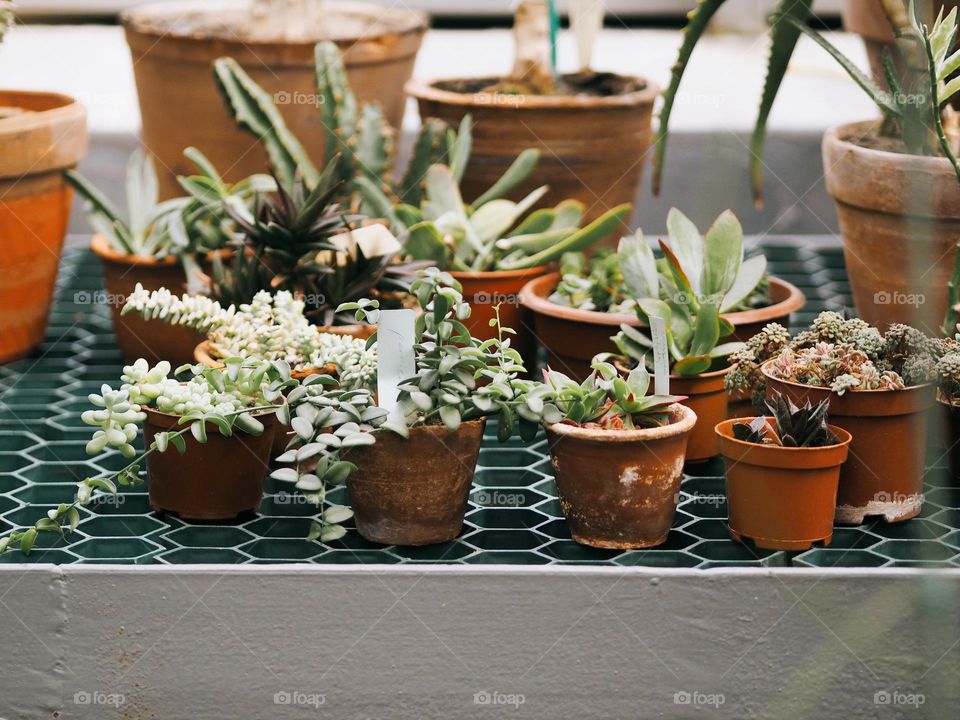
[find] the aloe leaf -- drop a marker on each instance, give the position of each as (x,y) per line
(638,266)
(518,171)
(749,276)
(461,149)
(686,242)
(100,207)
(723,256)
(428,149)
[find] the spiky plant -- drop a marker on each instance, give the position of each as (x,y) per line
(796,427)
(920,74)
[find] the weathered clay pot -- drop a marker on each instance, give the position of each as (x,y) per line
(483,291)
(216,480)
(781,498)
(415,491)
(900,220)
(592,147)
(884,475)
(619,488)
(153,340)
(180,104)
(41,135)
(573,337)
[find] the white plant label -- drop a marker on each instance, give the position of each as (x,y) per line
(396,360)
(661,359)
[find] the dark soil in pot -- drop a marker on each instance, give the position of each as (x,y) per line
(781,498)
(414,491)
(217,480)
(619,488)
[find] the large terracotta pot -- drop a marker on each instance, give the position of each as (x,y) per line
(884,475)
(180,104)
(483,291)
(41,135)
(619,488)
(781,498)
(153,340)
(900,220)
(593,148)
(573,337)
(414,491)
(216,480)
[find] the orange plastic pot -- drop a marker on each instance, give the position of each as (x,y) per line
(781,498)
(573,337)
(884,475)
(414,491)
(216,480)
(153,340)
(619,488)
(43,135)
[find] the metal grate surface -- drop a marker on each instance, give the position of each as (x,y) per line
(514,516)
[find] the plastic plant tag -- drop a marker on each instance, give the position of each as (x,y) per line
(396,359)
(586,19)
(661,360)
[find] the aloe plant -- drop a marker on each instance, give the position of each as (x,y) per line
(920,85)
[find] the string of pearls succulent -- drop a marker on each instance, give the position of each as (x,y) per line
(270,327)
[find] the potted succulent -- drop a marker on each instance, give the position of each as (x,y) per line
(175,44)
(888,178)
(878,387)
(617,455)
(745,383)
(576,309)
(948,401)
(411,487)
(159,246)
(41,134)
(593,128)
(782,472)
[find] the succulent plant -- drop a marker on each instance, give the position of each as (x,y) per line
(6,17)
(796,427)
(745,376)
(595,284)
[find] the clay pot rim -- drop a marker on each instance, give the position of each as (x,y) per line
(538,270)
(427,90)
(101,246)
(62,127)
(766,370)
(724,429)
(169,421)
(946,403)
(534,296)
(685,419)
(202,354)
(138,19)
(904,162)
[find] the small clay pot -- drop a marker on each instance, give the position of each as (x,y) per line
(884,475)
(153,340)
(619,488)
(573,337)
(414,491)
(781,498)
(483,291)
(216,480)
(43,135)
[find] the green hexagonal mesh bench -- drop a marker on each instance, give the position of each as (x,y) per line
(514,517)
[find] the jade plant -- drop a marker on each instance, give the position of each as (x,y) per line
(613,283)
(920,73)
(691,306)
(794,427)
(603,401)
(269,327)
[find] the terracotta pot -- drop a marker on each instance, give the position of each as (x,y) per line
(573,337)
(216,480)
(740,405)
(781,498)
(484,290)
(619,488)
(900,219)
(948,417)
(884,475)
(153,340)
(414,492)
(592,147)
(181,106)
(41,134)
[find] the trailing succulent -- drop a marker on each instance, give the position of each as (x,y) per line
(270,327)
(692,303)
(604,400)
(795,427)
(920,74)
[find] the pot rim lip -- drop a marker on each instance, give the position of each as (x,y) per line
(540,304)
(203,356)
(428,90)
(683,424)
(69,107)
(946,403)
(845,437)
(866,393)
(101,247)
(903,161)
(538,270)
(136,19)
(171,416)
